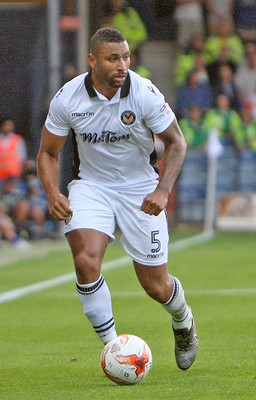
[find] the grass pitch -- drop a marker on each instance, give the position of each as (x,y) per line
(48,350)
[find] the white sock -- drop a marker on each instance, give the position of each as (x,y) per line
(96,301)
(177,307)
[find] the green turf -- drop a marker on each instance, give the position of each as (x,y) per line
(48,350)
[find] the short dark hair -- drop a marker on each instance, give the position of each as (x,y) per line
(108,35)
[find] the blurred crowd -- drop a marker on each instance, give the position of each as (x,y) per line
(215,76)
(23,206)
(215,65)
(215,81)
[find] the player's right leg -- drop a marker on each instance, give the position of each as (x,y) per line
(88,248)
(89,231)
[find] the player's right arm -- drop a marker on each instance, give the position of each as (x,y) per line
(48,172)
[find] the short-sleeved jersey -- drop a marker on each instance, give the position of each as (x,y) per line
(113,138)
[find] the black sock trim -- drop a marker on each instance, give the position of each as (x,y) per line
(180,320)
(175,291)
(106,326)
(91,289)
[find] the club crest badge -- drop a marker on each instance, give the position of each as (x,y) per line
(128,117)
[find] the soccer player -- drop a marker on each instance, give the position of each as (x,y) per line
(112,113)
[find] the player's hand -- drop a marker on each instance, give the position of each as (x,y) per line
(59,207)
(155,202)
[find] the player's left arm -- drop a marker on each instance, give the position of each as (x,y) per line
(174,153)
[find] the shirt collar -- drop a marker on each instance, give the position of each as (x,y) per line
(125,89)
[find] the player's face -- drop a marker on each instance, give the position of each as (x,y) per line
(110,63)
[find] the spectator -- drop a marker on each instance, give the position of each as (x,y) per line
(192,126)
(244,12)
(185,59)
(225,120)
(14,196)
(225,83)
(200,68)
(13,151)
(25,203)
(225,45)
(8,231)
(194,93)
(249,129)
(38,222)
(126,19)
(245,76)
(217,11)
(190,20)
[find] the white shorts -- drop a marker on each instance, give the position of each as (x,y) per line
(144,237)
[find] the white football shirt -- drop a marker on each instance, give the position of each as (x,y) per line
(113,140)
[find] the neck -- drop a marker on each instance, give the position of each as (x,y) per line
(106,91)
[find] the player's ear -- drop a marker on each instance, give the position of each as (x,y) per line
(91,60)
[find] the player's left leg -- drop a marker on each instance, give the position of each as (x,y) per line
(168,291)
(145,238)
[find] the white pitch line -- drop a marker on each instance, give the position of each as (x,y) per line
(191,241)
(60,280)
(223,292)
(120,262)
(213,293)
